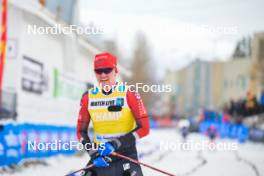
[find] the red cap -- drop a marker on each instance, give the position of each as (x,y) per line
(104,60)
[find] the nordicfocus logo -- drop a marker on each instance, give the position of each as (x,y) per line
(106,116)
(197,146)
(61,29)
(58,145)
(155,88)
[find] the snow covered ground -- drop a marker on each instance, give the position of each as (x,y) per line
(247,160)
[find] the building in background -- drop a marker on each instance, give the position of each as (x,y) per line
(257,70)
(193,85)
(236,79)
(47,72)
(207,84)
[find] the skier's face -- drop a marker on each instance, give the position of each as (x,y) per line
(106,77)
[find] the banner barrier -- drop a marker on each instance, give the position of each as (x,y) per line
(24,141)
(227,130)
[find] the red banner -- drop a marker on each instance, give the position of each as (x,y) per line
(3,41)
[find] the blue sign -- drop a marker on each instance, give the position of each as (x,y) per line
(23,141)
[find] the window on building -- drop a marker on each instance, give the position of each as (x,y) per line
(225,84)
(241,82)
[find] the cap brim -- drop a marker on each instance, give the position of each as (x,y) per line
(101,67)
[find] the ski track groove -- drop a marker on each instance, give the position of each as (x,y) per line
(191,171)
(196,168)
(247,162)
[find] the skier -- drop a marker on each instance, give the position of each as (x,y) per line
(184,126)
(212,132)
(184,132)
(118,117)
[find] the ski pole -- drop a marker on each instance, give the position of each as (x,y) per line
(83,169)
(140,163)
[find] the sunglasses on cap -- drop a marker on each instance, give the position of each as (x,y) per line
(103,70)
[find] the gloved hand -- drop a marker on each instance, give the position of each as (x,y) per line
(109,147)
(106,149)
(101,161)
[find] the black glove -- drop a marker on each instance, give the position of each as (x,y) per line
(123,141)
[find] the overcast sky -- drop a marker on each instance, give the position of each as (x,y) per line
(177,31)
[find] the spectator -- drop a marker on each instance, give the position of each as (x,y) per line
(262,100)
(252,106)
(226,117)
(232,107)
(240,107)
(256,108)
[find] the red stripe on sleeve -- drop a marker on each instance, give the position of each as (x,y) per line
(83,118)
(137,106)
